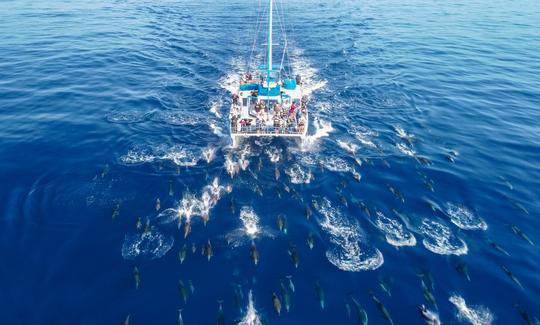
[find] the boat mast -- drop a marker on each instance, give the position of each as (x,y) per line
(270,18)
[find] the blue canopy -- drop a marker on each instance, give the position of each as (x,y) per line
(290,84)
(249,86)
(269,92)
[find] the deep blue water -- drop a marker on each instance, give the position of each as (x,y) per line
(106,106)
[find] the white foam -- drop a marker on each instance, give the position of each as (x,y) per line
(216,130)
(440,240)
(346,251)
(231,166)
(347,146)
(215,105)
(189,207)
(322,129)
(464,218)
(250,221)
(299,175)
(209,154)
(304,68)
(476,315)
(180,156)
(402,133)
(406,149)
(395,232)
(251,317)
(126,116)
(336,164)
(364,135)
(273,153)
(146,246)
(135,157)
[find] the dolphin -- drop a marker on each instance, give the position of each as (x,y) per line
(360,312)
(523,313)
(128,318)
(294,255)
(171,191)
(511,276)
(462,268)
(221,314)
(521,234)
(158,204)
(116,211)
(382,309)
(182,254)
(429,316)
(285,296)
(310,240)
(308,212)
(498,247)
(277,303)
(180,321)
(254,253)
(208,250)
(290,283)
(320,293)
(182,290)
(137,277)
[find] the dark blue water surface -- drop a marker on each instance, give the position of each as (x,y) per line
(107,106)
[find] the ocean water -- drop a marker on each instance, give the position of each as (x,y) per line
(108,106)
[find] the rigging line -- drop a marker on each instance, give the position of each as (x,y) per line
(260,13)
(286,47)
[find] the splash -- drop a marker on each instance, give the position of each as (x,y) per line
(216,130)
(215,105)
(309,74)
(476,315)
(348,146)
(363,135)
(403,134)
(136,157)
(346,251)
(464,218)
(336,164)
(147,245)
(126,116)
(250,220)
(231,166)
(274,154)
(395,231)
(179,155)
(403,148)
(440,240)
(299,175)
(251,317)
(209,154)
(189,206)
(322,129)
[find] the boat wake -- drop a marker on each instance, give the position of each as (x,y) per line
(346,251)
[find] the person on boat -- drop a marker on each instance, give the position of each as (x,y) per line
(249,77)
(292,111)
(235,99)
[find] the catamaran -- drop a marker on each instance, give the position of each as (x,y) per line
(269,102)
